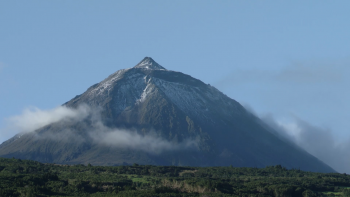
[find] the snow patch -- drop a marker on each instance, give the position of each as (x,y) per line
(199,102)
(145,93)
(107,84)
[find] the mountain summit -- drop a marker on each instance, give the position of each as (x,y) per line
(150,115)
(149,63)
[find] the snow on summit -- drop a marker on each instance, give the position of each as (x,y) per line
(130,87)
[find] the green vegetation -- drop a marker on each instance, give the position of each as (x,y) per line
(31,178)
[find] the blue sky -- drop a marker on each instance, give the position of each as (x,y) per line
(286,60)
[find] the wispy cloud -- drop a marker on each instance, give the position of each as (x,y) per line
(89,120)
(298,73)
(131,139)
(318,141)
(308,73)
(34,118)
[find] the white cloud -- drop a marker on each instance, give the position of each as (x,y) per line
(318,141)
(33,118)
(150,142)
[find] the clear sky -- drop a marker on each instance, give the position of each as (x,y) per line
(289,60)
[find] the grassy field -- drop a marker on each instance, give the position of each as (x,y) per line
(30,178)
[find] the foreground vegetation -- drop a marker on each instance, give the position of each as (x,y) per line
(31,178)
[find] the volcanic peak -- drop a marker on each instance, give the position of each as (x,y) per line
(149,63)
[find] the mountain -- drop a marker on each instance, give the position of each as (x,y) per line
(150,115)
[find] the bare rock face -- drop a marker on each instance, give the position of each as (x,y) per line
(150,115)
